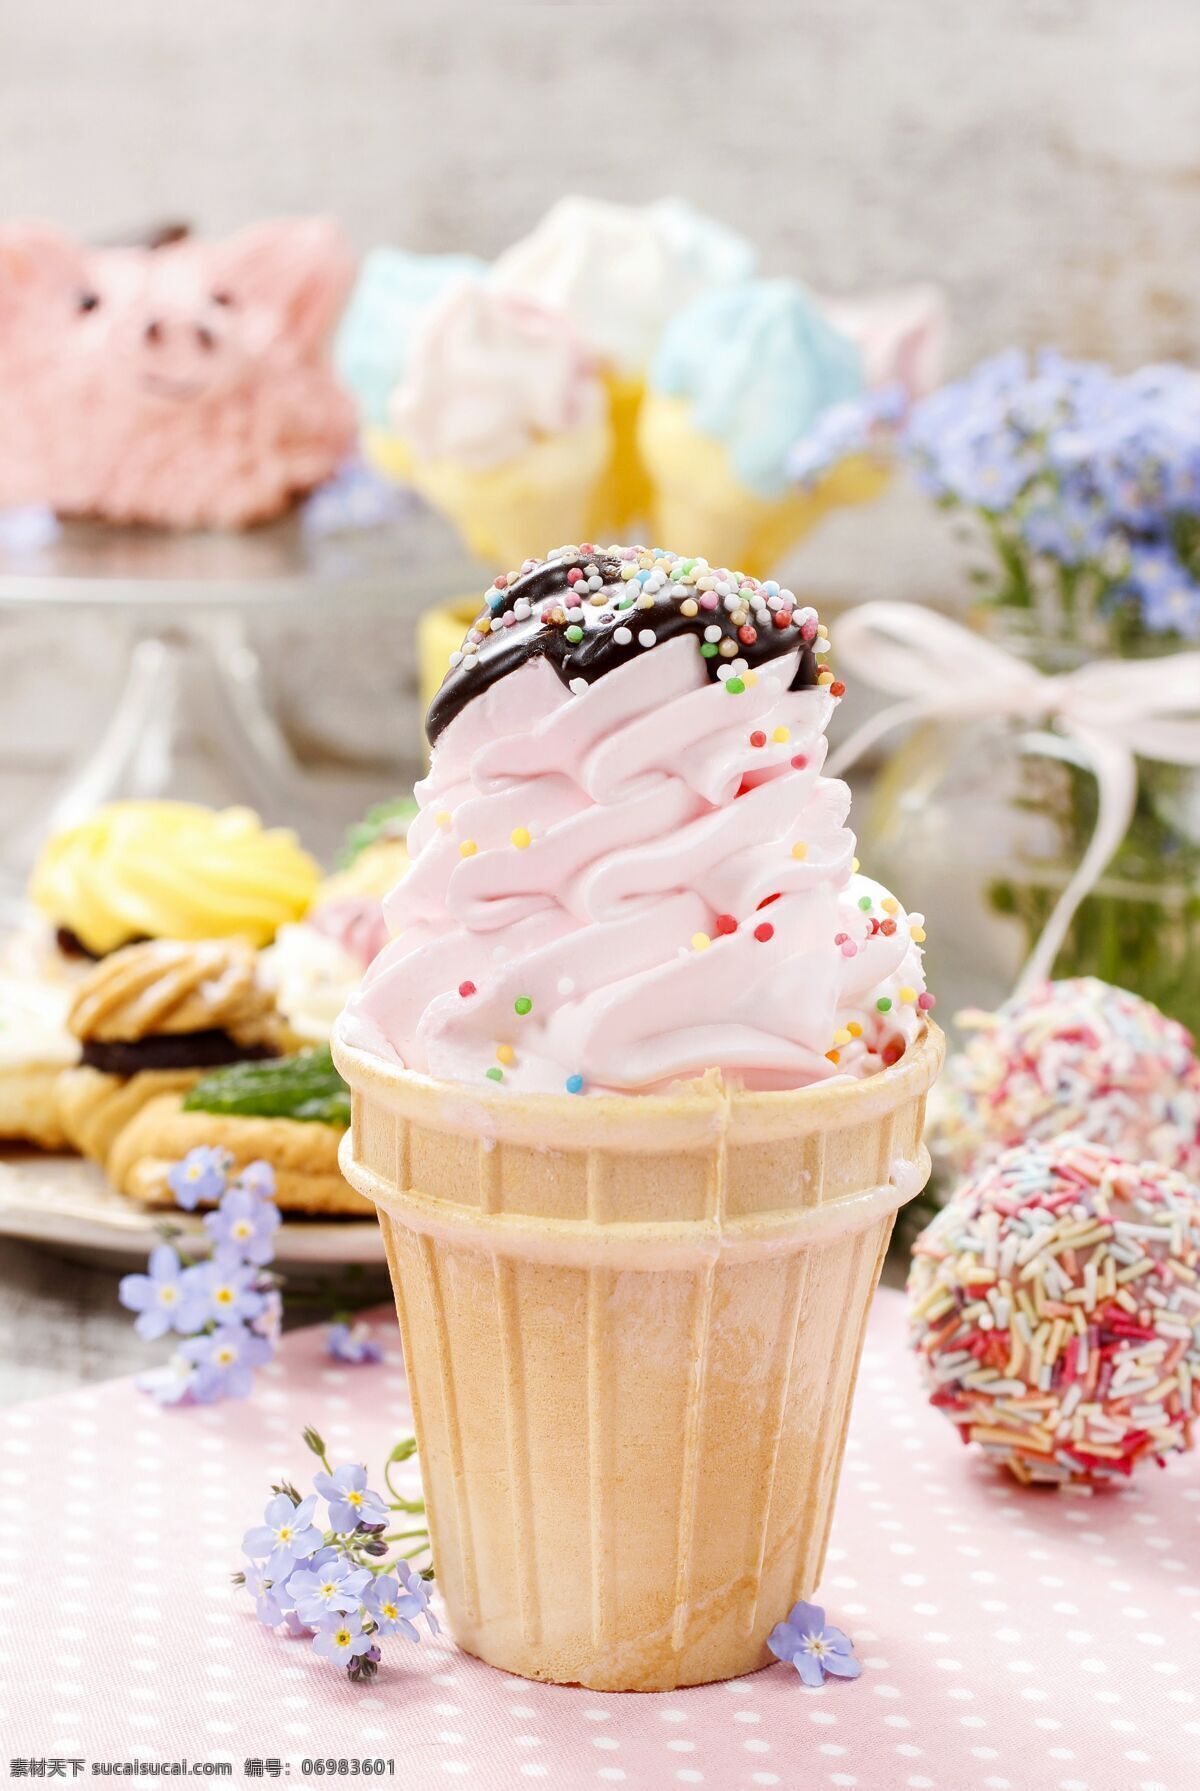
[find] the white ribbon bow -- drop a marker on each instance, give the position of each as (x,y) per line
(1114,711)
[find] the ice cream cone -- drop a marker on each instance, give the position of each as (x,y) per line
(632,1328)
(700,499)
(523,505)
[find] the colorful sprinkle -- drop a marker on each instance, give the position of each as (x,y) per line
(700,941)
(726,924)
(494,1074)
(734,686)
(800,850)
(521,837)
(764,931)
(574,1084)
(781,736)
(758,738)
(467,849)
(1052,1304)
(465,989)
(443,817)
(522,1005)
(1068,1057)
(884,1004)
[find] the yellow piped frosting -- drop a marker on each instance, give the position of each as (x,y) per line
(172,870)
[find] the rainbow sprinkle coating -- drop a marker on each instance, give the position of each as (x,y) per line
(1077,1056)
(1055,1308)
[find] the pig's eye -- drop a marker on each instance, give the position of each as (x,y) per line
(221,297)
(87,301)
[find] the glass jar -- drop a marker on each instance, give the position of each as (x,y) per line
(981,823)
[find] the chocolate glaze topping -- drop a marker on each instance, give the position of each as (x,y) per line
(169,1051)
(584,632)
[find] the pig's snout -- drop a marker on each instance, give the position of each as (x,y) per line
(158,332)
(178,354)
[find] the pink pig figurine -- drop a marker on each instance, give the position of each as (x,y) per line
(186,386)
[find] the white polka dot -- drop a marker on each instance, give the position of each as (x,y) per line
(678,1745)
(604,1741)
(754,1746)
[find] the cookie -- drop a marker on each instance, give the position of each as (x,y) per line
(303,1154)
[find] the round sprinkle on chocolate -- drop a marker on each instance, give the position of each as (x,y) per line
(572,609)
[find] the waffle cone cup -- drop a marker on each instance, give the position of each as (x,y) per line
(632,1328)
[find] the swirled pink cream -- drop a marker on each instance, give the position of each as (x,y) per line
(627,868)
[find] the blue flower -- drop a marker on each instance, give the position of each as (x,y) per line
(257,1178)
(395,1601)
(1169,596)
(286,1533)
(169,1298)
(335,1588)
(264,1593)
(340,1638)
(352,1343)
(229,1289)
(810,1645)
(246,1224)
(200,1176)
(351,1500)
(225,1360)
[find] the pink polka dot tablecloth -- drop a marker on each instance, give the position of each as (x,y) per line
(1012,1639)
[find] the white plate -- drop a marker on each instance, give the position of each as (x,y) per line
(66,1202)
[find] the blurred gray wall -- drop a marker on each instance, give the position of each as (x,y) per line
(1041,157)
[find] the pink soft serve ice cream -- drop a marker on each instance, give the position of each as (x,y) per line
(627,867)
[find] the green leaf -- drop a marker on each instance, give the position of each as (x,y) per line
(306,1087)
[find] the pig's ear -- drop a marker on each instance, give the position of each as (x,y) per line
(35,261)
(301,268)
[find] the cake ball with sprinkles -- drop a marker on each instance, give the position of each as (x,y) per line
(1054,1306)
(1076,1056)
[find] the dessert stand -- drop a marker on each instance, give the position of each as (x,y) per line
(192,718)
